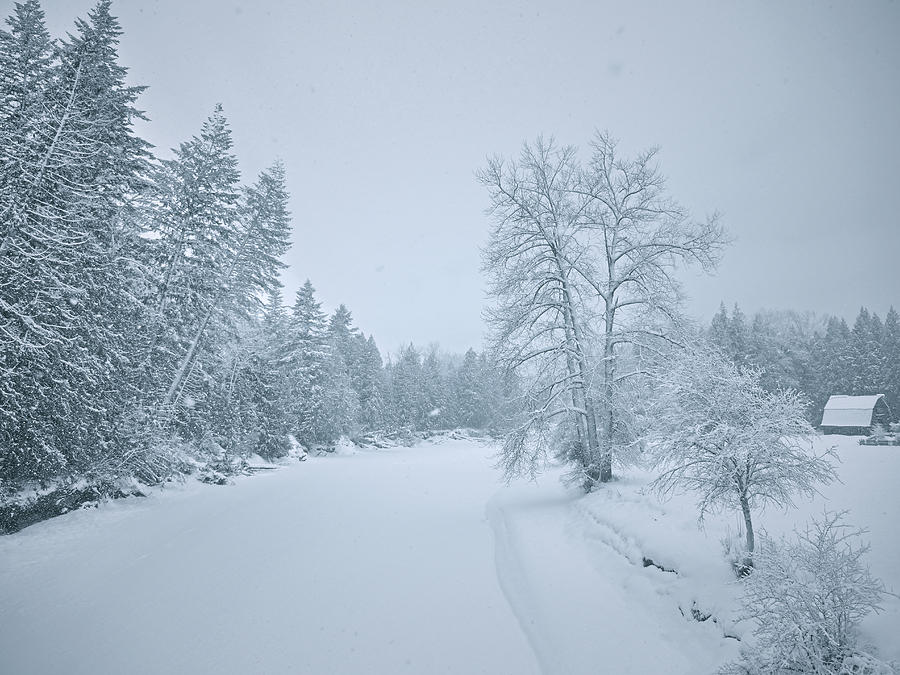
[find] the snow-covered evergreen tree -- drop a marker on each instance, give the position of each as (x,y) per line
(263,238)
(307,358)
(372,386)
(819,356)
(889,378)
(68,270)
(270,381)
(407,397)
(436,396)
(199,232)
(864,353)
(238,379)
(472,410)
(29,336)
(343,377)
(718,329)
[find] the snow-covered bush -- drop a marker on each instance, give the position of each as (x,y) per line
(879,433)
(215,475)
(148,451)
(734,549)
(807,596)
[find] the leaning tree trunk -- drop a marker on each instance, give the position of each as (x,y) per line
(9,235)
(187,362)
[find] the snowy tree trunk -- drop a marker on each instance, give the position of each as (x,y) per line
(577,364)
(748,524)
(594,470)
(187,361)
(64,120)
(608,396)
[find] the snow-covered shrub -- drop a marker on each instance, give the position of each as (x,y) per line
(214,476)
(147,451)
(220,470)
(879,433)
(734,549)
(807,596)
(151,459)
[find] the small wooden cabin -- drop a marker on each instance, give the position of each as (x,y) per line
(854,415)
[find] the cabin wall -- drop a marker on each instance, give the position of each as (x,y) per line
(881,414)
(847,431)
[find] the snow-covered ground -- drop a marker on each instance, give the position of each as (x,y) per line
(379,562)
(649,617)
(404,560)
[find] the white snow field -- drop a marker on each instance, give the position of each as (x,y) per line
(405,560)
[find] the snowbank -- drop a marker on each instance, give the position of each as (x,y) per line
(628,518)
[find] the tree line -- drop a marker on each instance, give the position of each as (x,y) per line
(818,356)
(142,324)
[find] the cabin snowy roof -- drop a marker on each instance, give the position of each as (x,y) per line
(849,411)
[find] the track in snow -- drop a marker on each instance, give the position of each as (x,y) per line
(585,606)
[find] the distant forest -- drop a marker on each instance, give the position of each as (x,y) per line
(818,356)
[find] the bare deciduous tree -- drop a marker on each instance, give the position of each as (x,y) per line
(580,261)
(539,321)
(720,434)
(638,237)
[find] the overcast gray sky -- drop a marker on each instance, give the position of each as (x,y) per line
(784,116)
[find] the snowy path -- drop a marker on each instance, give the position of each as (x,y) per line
(586,603)
(381,562)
